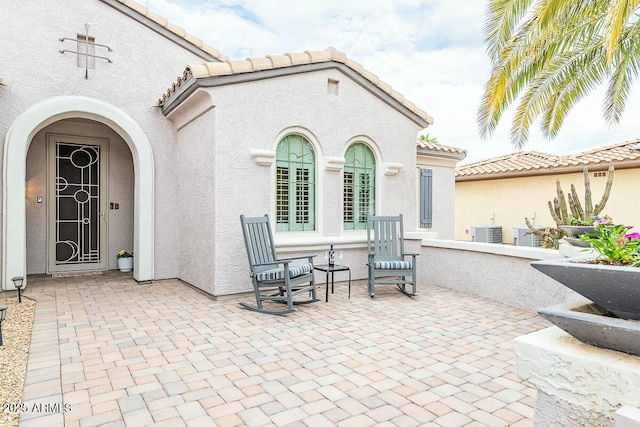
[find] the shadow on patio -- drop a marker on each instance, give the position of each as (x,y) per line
(118,352)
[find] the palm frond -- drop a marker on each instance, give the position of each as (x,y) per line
(619,14)
(626,67)
(553,92)
(551,10)
(501,19)
(579,75)
(549,57)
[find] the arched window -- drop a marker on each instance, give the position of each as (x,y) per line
(359,186)
(295,185)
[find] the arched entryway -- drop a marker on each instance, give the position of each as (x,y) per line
(16,146)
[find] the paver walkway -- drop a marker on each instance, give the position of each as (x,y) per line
(108,351)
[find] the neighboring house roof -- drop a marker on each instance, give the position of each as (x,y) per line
(236,71)
(530,163)
(159,24)
(435,149)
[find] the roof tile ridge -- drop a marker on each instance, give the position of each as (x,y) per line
(542,154)
(190,70)
(488,161)
(440,147)
(608,147)
(606,153)
(279,61)
(299,58)
(229,66)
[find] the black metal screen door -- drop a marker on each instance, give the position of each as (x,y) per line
(77,223)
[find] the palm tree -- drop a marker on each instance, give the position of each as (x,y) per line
(428,138)
(548,54)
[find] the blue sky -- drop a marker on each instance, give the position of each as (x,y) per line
(431,51)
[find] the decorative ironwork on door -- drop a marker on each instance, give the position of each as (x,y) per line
(77,203)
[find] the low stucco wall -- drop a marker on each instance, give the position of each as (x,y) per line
(499,272)
(578,384)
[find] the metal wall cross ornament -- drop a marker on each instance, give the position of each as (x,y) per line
(89,47)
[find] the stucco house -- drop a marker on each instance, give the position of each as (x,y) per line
(122,131)
(502,191)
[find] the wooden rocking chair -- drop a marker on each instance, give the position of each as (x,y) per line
(387,259)
(270,274)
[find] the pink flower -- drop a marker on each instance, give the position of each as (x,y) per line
(631,236)
(602,221)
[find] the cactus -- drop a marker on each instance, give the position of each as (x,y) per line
(549,236)
(579,215)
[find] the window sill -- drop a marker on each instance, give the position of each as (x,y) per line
(304,242)
(351,239)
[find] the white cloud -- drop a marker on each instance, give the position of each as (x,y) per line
(431,51)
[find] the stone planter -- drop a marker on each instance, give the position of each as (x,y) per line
(614,288)
(593,325)
(125,264)
(577,230)
(574,241)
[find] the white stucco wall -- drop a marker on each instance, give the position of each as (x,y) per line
(120,190)
(444,195)
(578,384)
(144,65)
(197,207)
(257,115)
(498,272)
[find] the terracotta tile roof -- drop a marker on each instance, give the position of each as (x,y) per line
(250,65)
(433,146)
(174,29)
(528,162)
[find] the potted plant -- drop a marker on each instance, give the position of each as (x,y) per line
(125,261)
(611,281)
(572,217)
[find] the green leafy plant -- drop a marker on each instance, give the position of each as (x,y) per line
(612,242)
(125,254)
(587,221)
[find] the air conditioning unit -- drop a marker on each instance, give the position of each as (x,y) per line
(487,234)
(521,238)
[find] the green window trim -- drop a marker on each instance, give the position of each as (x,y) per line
(359,186)
(295,185)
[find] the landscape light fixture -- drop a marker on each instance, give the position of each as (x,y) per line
(3,315)
(17,282)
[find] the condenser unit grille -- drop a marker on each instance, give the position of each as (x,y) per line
(487,234)
(521,238)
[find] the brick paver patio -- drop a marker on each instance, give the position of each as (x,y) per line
(108,351)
